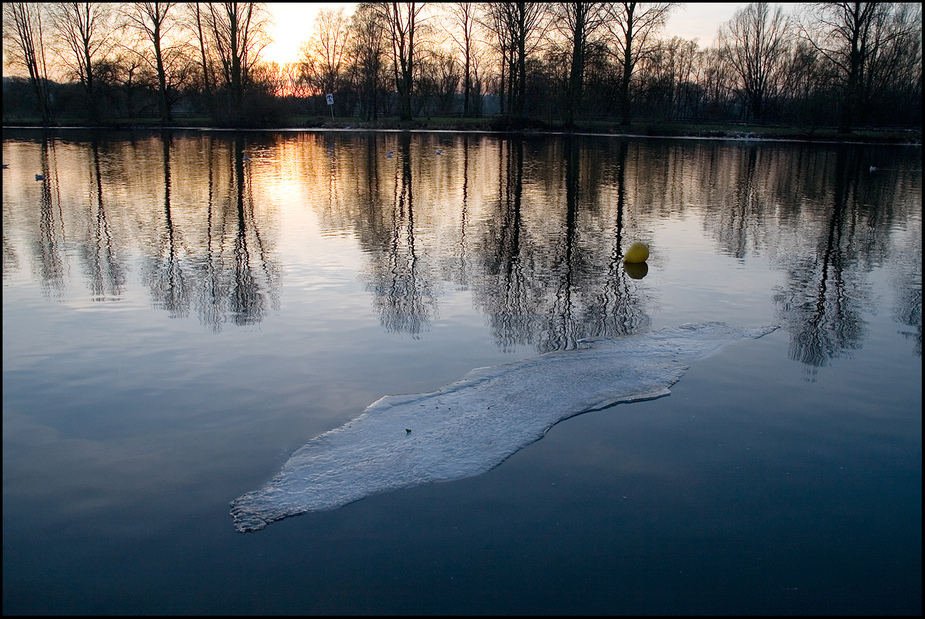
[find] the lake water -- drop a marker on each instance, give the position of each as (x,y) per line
(182,313)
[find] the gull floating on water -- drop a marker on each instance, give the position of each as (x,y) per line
(873,168)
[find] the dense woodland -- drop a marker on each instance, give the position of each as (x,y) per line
(836,64)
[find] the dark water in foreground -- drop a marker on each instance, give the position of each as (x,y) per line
(182,313)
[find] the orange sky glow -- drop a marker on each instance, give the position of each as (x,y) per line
(293,24)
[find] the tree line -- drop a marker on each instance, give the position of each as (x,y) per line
(844,64)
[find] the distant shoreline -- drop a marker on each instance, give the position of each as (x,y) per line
(691,130)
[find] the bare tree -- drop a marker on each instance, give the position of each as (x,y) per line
(895,69)
(477,66)
(686,95)
(461,21)
(197,22)
(323,56)
(401,21)
(151,20)
(577,22)
(717,83)
(518,29)
(633,26)
(757,42)
(667,74)
(853,37)
(25,45)
(83,31)
(367,50)
(806,78)
(238,33)
(491,22)
(130,72)
(437,79)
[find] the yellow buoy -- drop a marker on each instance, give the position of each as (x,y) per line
(638,252)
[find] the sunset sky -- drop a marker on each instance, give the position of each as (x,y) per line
(294,23)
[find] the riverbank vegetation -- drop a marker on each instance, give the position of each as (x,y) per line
(817,71)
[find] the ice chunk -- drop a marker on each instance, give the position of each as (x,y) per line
(472,425)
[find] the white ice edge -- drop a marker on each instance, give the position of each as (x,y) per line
(470,426)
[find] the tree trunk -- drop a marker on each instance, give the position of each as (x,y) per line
(625,111)
(576,73)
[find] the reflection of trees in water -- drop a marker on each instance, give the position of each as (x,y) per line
(534,228)
(909,310)
(617,307)
(823,218)
(218,262)
(48,246)
(738,216)
(255,279)
(403,291)
(99,251)
(220,265)
(104,268)
(244,277)
(201,245)
(166,272)
(561,330)
(504,289)
(210,292)
(542,263)
(458,271)
(547,272)
(11,263)
(822,299)
(562,280)
(819,309)
(907,286)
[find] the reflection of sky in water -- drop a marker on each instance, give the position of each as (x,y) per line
(176,352)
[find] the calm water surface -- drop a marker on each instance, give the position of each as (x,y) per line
(183,311)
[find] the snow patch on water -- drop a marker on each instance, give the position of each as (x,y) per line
(470,426)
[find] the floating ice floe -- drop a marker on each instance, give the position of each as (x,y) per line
(470,426)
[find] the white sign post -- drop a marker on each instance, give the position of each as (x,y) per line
(330,98)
